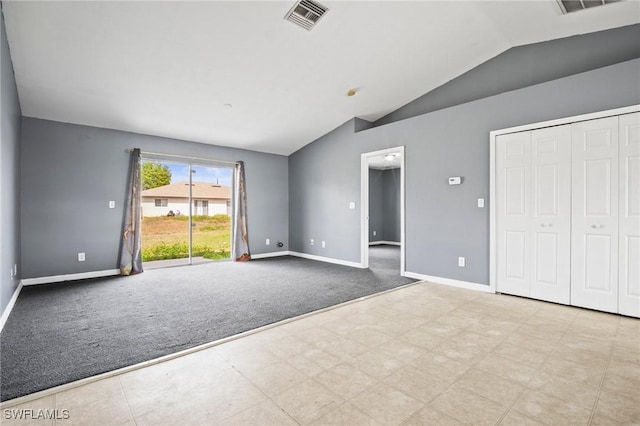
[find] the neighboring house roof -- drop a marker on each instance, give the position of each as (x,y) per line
(206,190)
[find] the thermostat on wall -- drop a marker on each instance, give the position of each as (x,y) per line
(456,180)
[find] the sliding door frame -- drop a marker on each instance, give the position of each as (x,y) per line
(197,162)
(364,205)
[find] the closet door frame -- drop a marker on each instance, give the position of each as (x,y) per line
(493,223)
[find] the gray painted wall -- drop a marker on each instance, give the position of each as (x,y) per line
(384,205)
(376,205)
(391,205)
(442,221)
(70,172)
(9,173)
(525,66)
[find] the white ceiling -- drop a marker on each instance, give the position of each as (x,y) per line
(168,68)
(380,162)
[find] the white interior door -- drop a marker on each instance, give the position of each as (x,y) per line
(594,247)
(629,288)
(513,194)
(551,214)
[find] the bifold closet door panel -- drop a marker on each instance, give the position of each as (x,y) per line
(513,193)
(629,278)
(551,214)
(594,222)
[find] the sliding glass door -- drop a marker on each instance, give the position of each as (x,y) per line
(186,213)
(211,213)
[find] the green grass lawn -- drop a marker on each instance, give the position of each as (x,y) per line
(168,237)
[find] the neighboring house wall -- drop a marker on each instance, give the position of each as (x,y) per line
(70,172)
(174,204)
(9,173)
(442,221)
(384,205)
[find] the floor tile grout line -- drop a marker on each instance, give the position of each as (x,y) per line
(546,359)
(524,387)
(378,382)
(267,397)
(448,339)
(55,406)
(604,375)
(271,398)
(126,398)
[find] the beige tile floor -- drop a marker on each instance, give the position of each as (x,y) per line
(422,355)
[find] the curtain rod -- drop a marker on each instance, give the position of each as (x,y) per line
(182,156)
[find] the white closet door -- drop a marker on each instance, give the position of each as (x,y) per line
(594,247)
(513,152)
(551,214)
(629,288)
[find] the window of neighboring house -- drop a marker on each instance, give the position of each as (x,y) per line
(162,202)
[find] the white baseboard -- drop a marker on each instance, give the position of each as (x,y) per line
(326,259)
(386,243)
(70,277)
(9,307)
(307,256)
(111,272)
(450,282)
(272,254)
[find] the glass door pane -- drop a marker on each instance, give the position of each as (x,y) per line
(165,214)
(211,231)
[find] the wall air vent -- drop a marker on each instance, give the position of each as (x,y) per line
(568,6)
(306,13)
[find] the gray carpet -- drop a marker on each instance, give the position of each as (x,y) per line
(64,332)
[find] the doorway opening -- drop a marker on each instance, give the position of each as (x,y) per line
(382,213)
(186,213)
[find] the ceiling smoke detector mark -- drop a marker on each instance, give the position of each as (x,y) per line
(568,6)
(306,13)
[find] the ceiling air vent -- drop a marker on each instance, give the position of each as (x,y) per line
(306,13)
(568,6)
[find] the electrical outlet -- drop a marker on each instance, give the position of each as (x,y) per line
(268,241)
(81,257)
(15,270)
(323,244)
(311,242)
(461,262)
(374,233)
(352,205)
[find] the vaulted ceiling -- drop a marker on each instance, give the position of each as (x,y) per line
(237,74)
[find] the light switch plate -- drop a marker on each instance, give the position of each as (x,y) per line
(112,204)
(461,262)
(352,205)
(481,203)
